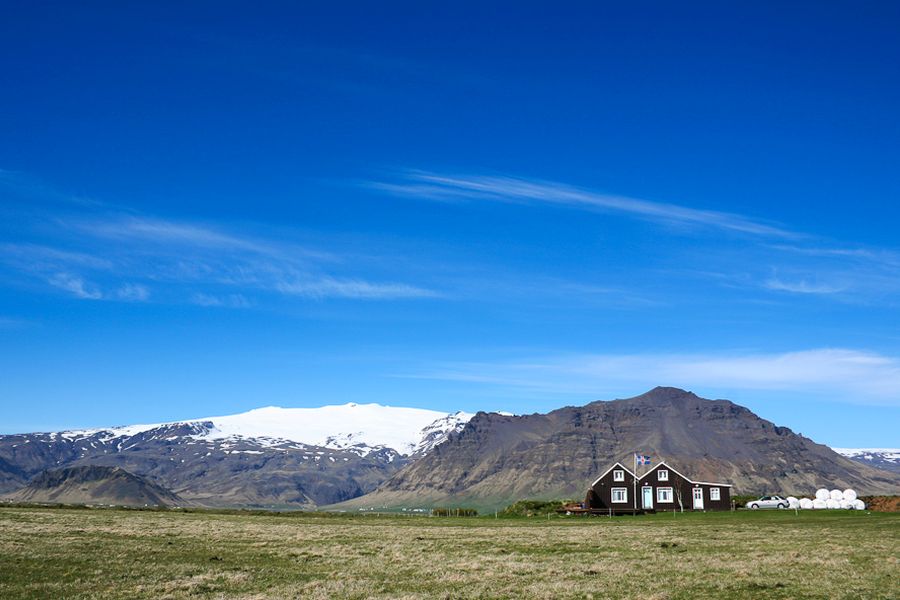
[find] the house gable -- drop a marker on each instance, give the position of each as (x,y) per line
(662,464)
(617,465)
(609,493)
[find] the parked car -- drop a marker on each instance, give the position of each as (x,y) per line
(768,502)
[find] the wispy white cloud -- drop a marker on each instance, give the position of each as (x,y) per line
(802,286)
(866,255)
(836,374)
(849,275)
(39,257)
(12,323)
(512,189)
(328,287)
(809,265)
(127,255)
(227,300)
(133,292)
(28,189)
(168,232)
(75,285)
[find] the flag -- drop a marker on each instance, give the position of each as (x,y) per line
(641,459)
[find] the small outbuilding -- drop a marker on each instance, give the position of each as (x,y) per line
(661,488)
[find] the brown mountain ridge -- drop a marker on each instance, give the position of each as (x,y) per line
(497,459)
(97,485)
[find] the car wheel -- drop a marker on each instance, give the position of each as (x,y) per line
(782,506)
(754,506)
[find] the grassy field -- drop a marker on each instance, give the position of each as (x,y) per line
(66,553)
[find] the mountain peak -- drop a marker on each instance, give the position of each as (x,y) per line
(500,459)
(668,394)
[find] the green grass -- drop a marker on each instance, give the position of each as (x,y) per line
(64,553)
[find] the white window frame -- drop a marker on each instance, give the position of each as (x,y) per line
(619,475)
(662,475)
(612,495)
(714,494)
(661,500)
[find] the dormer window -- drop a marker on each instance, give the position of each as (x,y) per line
(618,475)
(662,475)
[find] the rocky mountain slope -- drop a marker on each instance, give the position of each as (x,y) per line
(497,459)
(881,458)
(270,457)
(95,485)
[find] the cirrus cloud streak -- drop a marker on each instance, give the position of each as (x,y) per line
(514,189)
(833,374)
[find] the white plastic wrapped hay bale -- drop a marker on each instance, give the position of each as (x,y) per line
(819,504)
(822,494)
(806,503)
(836,495)
(850,495)
(847,504)
(859,504)
(832,504)
(793,502)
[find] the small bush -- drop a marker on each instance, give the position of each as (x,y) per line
(741,501)
(454,512)
(531,508)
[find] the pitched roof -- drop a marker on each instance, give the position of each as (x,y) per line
(617,464)
(688,479)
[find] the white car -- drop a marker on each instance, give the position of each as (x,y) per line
(768,502)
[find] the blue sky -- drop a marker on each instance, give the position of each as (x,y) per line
(219,206)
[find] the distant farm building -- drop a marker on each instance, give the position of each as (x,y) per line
(662,488)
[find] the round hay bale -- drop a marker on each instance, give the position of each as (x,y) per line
(832,504)
(818,504)
(850,495)
(793,502)
(806,503)
(836,495)
(822,494)
(859,504)
(847,504)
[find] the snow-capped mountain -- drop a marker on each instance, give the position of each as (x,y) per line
(272,457)
(883,458)
(360,428)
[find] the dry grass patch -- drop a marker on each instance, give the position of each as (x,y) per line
(131,554)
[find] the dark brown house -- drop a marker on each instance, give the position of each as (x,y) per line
(660,488)
(614,490)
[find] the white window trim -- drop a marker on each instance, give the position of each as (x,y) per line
(714,494)
(619,475)
(612,495)
(660,500)
(662,475)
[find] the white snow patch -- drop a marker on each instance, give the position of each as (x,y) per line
(360,428)
(871,454)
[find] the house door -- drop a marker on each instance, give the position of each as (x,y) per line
(648,497)
(698,498)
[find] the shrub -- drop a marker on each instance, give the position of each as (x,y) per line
(741,501)
(530,508)
(454,512)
